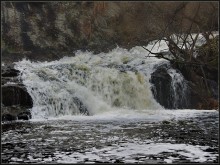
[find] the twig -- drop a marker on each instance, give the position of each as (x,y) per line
(160,55)
(205,79)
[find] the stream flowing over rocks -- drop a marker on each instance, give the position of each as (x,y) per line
(109,82)
(16,101)
(115,107)
(92,84)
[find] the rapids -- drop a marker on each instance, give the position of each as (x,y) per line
(100,108)
(91,84)
(99,83)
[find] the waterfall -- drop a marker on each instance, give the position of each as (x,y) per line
(179,89)
(91,84)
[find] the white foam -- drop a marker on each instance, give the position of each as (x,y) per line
(128,151)
(98,81)
(135,115)
(53,85)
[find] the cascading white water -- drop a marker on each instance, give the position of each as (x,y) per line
(93,83)
(178,88)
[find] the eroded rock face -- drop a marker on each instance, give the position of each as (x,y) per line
(51,30)
(16,101)
(170,88)
(161,81)
(14,94)
(9,74)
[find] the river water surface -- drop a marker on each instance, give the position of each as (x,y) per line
(171,136)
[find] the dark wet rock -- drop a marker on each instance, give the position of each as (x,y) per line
(10,113)
(24,115)
(14,94)
(82,108)
(16,101)
(8,117)
(14,80)
(161,81)
(10,72)
(118,161)
(213,88)
(169,95)
(210,150)
(166,122)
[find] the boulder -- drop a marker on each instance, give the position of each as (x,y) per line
(8,117)
(14,94)
(10,113)
(26,115)
(10,72)
(161,81)
(16,101)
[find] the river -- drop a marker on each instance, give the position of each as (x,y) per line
(173,136)
(100,108)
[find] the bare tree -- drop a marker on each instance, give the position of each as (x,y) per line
(182,44)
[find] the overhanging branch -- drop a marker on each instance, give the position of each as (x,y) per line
(160,55)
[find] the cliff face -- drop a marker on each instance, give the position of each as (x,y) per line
(50,30)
